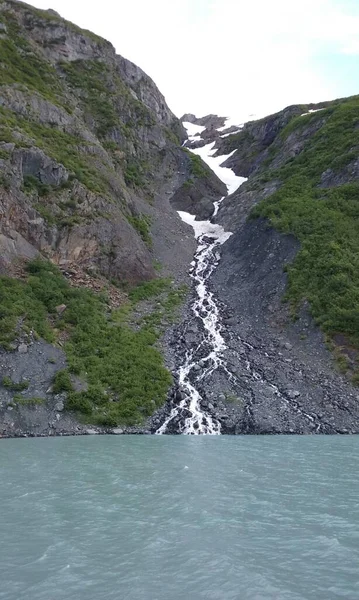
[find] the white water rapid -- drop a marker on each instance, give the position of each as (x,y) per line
(210,237)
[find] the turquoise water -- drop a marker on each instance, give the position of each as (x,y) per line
(179,518)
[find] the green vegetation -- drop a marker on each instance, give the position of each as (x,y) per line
(20,64)
(91,79)
(14,387)
(62,382)
(198,167)
(325,220)
(124,370)
(35,401)
(149,289)
(232,398)
(67,149)
(133,175)
(32,184)
(142,224)
(102,93)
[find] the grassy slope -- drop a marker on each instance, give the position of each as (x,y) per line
(124,370)
(326,221)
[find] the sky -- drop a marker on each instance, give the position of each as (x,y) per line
(234,58)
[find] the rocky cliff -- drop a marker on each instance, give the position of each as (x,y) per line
(90,158)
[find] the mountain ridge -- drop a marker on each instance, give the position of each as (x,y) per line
(94,258)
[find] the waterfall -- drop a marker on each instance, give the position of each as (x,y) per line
(210,237)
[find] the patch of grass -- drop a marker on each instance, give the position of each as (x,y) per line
(142,224)
(35,401)
(45,212)
(14,387)
(21,64)
(4,154)
(232,398)
(149,289)
(189,183)
(67,149)
(4,182)
(121,362)
(90,77)
(33,184)
(133,175)
(198,167)
(157,265)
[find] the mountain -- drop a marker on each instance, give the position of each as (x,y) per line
(288,275)
(90,155)
(97,314)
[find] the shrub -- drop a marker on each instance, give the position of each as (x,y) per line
(14,387)
(198,167)
(33,184)
(142,224)
(148,289)
(62,382)
(35,401)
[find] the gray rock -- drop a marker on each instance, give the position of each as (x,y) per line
(23,348)
(293,394)
(117,431)
(230,321)
(60,308)
(59,406)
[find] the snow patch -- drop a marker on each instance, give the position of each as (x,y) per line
(210,230)
(311,111)
(225,174)
(193,131)
(231,133)
(228,123)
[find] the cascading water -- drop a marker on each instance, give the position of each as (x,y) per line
(210,237)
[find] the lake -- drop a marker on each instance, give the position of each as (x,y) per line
(179,518)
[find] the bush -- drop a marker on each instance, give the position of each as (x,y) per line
(62,382)
(198,167)
(14,387)
(142,224)
(149,289)
(35,401)
(77,402)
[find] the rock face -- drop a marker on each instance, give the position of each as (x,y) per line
(89,149)
(285,380)
(91,160)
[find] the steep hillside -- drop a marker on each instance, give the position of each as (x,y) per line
(286,283)
(90,158)
(307,168)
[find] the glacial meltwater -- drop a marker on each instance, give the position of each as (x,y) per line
(179,518)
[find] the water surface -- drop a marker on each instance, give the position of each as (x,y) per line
(179,518)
